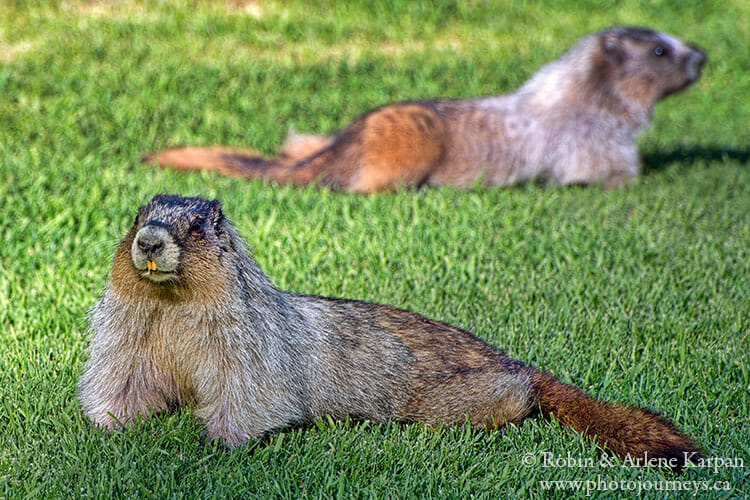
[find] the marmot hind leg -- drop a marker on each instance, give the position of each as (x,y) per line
(399,146)
(486,399)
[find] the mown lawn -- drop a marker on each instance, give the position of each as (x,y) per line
(638,295)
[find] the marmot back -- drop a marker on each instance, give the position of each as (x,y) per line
(188,318)
(574,122)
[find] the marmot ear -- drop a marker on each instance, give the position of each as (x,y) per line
(612,47)
(215,214)
(141,211)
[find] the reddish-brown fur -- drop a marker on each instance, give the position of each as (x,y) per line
(626,430)
(394,146)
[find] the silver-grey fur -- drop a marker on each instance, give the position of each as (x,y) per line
(251,358)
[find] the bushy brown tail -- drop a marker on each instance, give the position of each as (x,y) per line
(288,167)
(231,162)
(644,436)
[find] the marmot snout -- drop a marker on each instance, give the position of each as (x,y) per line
(155,253)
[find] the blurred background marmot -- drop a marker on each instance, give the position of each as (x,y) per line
(574,122)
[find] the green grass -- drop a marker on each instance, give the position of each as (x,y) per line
(639,295)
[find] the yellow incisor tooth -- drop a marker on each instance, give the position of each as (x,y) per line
(151,265)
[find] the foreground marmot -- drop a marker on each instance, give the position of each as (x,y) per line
(574,122)
(189,318)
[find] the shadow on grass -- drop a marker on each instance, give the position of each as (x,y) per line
(657,160)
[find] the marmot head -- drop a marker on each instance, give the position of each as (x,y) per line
(649,65)
(175,242)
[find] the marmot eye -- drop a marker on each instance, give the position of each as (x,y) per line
(658,51)
(196,226)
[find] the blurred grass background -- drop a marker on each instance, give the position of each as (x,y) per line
(638,295)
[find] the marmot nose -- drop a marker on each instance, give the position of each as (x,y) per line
(697,56)
(150,244)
